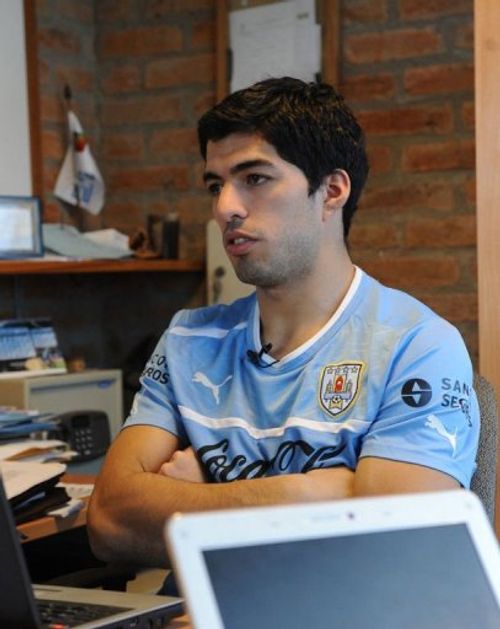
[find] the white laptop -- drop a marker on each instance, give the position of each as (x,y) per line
(25,606)
(420,561)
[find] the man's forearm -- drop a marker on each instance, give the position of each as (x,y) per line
(127,524)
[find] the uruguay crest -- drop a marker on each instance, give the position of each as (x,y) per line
(339,386)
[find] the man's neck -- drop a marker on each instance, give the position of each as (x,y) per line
(291,315)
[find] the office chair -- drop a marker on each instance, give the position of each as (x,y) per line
(484,480)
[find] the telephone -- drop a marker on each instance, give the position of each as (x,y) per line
(86,432)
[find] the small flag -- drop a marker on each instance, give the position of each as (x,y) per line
(79,182)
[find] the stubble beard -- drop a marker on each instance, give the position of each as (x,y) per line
(293,261)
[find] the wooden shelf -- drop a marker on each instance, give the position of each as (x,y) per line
(135,265)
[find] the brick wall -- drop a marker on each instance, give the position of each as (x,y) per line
(115,55)
(407,70)
(156,74)
(142,71)
(66,53)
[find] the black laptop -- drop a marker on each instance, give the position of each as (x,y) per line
(27,606)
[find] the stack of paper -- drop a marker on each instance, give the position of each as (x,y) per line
(31,488)
(103,244)
(36,451)
(16,423)
(20,479)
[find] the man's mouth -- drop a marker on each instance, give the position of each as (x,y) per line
(239,245)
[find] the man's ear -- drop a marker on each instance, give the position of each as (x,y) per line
(337,188)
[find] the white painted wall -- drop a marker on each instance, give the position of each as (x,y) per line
(15,165)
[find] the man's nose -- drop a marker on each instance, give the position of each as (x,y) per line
(229,204)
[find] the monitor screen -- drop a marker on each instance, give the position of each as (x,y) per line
(414,578)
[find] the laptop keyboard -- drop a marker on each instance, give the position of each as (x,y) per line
(61,615)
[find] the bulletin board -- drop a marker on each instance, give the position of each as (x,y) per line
(327,16)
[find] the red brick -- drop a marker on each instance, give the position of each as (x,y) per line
(127,216)
(368,87)
(163,8)
(43,72)
(428,9)
(141,42)
(468,115)
(43,9)
(413,271)
(391,45)
(51,212)
(470,190)
(160,208)
(379,158)
(464,36)
(173,142)
(76,10)
(203,102)
(198,170)
(58,40)
(51,108)
(53,146)
(180,71)
(50,173)
(114,11)
(376,236)
(417,119)
(364,11)
(79,79)
(451,155)
(195,207)
(203,35)
(455,231)
(439,79)
(123,146)
(151,178)
(456,307)
(119,79)
(141,110)
(430,195)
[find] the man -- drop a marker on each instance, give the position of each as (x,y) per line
(323,384)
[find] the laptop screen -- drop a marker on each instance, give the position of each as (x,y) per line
(418,577)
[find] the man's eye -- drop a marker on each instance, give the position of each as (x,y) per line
(214,189)
(255,180)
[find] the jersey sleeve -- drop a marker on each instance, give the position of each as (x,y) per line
(429,413)
(154,404)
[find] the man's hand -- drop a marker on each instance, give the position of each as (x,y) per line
(184,465)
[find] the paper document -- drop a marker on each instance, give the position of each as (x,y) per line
(29,448)
(277,39)
(17,230)
(68,241)
(19,477)
(110,238)
(77,490)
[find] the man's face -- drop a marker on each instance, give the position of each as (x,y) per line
(270,226)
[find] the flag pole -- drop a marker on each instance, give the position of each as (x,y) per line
(68,97)
(67,107)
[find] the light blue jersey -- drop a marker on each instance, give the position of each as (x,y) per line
(385,377)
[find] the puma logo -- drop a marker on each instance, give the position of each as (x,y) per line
(201,378)
(437,425)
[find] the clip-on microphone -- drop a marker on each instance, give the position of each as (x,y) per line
(256,357)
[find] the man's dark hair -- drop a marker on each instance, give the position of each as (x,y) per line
(308,124)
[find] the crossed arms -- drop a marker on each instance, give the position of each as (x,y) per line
(146,478)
